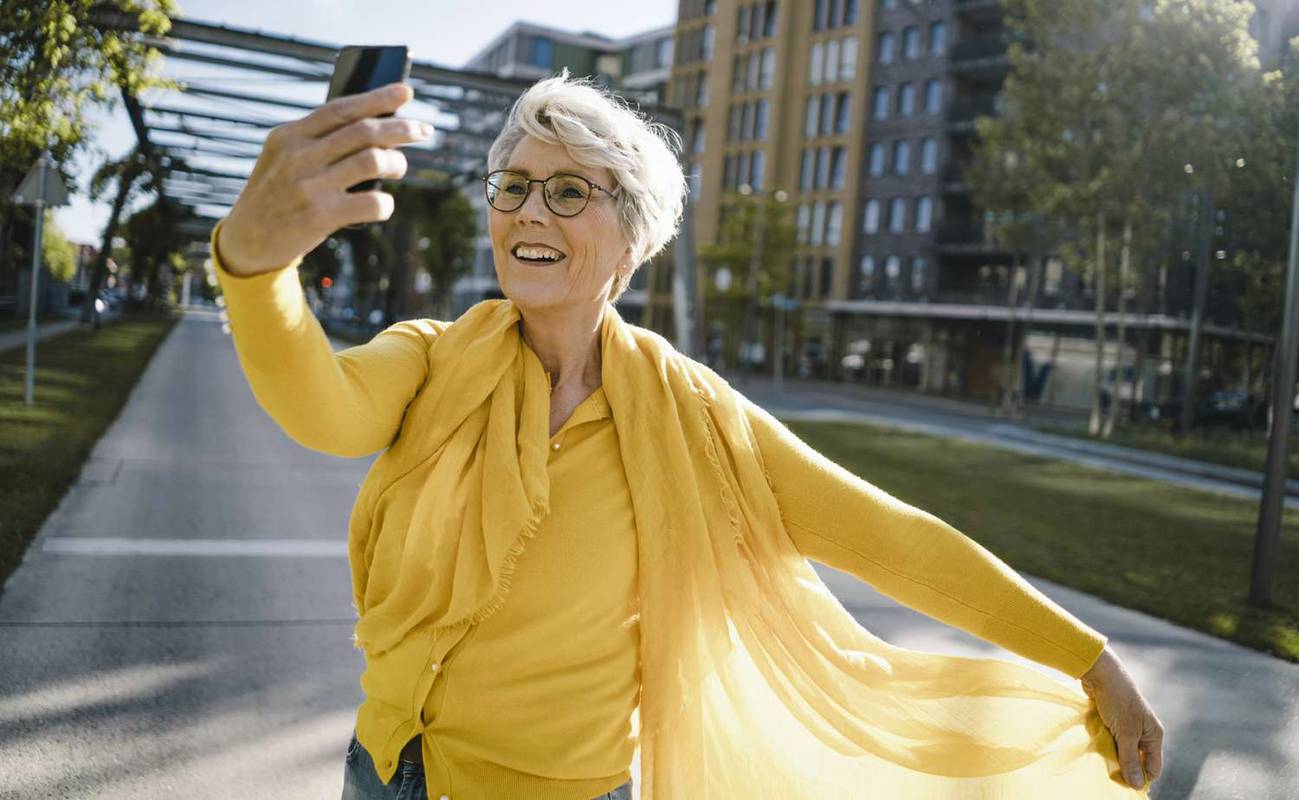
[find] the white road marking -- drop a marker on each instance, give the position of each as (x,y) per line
(274,548)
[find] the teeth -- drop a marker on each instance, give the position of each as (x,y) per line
(538,253)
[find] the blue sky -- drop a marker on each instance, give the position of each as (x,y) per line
(440,31)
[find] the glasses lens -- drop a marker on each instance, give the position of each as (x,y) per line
(567,194)
(506,190)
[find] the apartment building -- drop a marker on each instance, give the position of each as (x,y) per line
(863,114)
(636,66)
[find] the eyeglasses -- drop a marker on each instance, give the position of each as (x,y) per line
(565,195)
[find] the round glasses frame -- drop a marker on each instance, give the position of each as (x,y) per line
(545,193)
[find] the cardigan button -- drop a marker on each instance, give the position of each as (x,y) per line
(555,446)
(434,668)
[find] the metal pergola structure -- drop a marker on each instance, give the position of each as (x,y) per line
(214,127)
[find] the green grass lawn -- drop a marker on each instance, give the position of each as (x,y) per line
(20,323)
(1242,449)
(83,379)
(1164,550)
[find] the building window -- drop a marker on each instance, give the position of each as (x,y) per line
(733,124)
(849,12)
(815,64)
(834,224)
(885,48)
(832,61)
(842,112)
(709,35)
(937,38)
(877,159)
(542,52)
(892,268)
(820,12)
(865,274)
(701,95)
(807,169)
(728,172)
(769,20)
(827,276)
(767,67)
(901,157)
(924,213)
(897,215)
(933,96)
(919,274)
(807,278)
(871,219)
(906,100)
(880,103)
(929,155)
(827,114)
(804,219)
(760,120)
(836,168)
(754,77)
(758,170)
(848,59)
(813,115)
(697,145)
(822,167)
(742,24)
(911,42)
(742,162)
(818,223)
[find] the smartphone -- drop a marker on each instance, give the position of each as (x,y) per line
(359,69)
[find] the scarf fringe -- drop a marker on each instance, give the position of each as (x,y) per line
(540,508)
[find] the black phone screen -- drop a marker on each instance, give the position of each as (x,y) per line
(359,69)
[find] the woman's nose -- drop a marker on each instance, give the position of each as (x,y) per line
(534,207)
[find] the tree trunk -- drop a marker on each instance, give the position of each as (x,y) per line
(1116,398)
(1094,423)
(89,316)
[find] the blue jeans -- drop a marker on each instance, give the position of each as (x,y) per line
(361,781)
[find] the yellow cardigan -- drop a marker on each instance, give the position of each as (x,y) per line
(496,706)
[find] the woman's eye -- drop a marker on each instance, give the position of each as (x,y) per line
(515,188)
(572,192)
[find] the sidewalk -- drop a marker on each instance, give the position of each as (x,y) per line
(18,338)
(974,421)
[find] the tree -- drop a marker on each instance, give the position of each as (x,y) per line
(432,231)
(734,250)
(154,236)
(55,65)
(1104,99)
(138,171)
(58,254)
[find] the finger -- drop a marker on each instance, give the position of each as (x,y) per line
(1153,746)
(362,207)
(372,162)
(345,110)
(1129,760)
(366,133)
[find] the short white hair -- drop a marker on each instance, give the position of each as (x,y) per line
(599,129)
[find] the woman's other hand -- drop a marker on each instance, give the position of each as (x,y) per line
(297,193)
(1138,733)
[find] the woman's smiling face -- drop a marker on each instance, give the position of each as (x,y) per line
(593,244)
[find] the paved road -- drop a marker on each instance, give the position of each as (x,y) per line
(181,626)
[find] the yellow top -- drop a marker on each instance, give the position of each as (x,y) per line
(538,699)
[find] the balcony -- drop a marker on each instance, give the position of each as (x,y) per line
(979,10)
(952,178)
(981,54)
(962,111)
(958,238)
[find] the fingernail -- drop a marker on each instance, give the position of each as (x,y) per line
(425,130)
(1136,780)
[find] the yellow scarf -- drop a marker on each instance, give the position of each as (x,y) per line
(756,682)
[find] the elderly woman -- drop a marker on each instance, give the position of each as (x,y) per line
(578,543)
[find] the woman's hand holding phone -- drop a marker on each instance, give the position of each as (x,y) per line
(297,193)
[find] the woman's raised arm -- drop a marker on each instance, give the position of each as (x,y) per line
(348,403)
(913,557)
